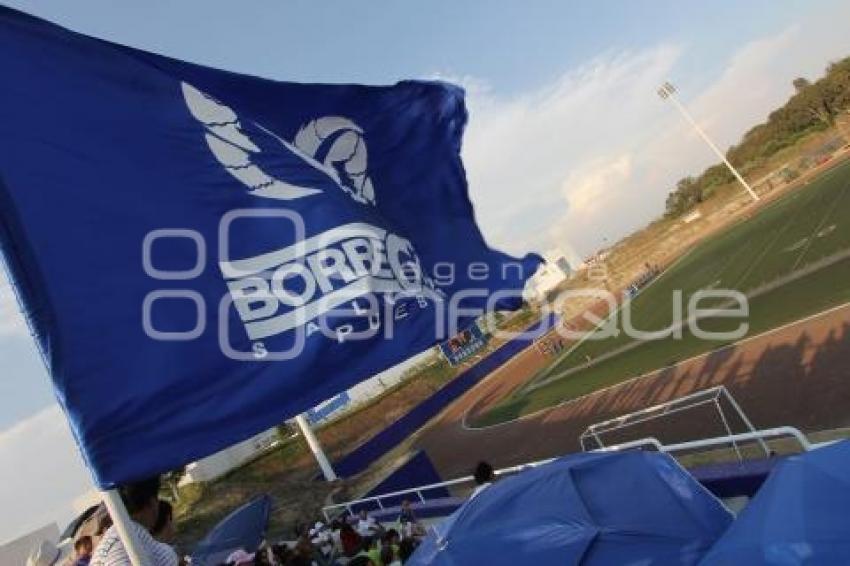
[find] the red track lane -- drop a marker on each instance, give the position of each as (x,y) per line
(798,375)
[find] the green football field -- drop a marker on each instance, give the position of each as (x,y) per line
(789,259)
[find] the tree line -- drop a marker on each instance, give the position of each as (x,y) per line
(814,106)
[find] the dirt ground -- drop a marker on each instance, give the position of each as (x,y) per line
(798,375)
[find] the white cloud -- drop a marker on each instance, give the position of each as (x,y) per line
(519,153)
(42,473)
(593,155)
(586,193)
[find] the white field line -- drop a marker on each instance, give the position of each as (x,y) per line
(817,229)
(772,243)
(692,359)
(761,255)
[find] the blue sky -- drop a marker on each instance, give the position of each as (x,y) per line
(562,104)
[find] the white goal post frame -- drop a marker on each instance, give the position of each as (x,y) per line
(712,395)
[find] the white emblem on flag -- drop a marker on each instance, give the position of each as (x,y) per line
(232,147)
(338,143)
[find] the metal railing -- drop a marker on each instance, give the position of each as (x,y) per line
(420,490)
(758,436)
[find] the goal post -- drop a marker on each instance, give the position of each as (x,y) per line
(593,436)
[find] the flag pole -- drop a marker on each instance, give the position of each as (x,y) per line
(123,524)
(316,448)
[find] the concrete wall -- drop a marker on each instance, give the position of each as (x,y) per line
(218,464)
(362,457)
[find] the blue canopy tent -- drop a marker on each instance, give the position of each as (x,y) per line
(243,528)
(801,515)
(593,508)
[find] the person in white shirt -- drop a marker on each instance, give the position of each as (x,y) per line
(142,503)
(367,526)
(322,539)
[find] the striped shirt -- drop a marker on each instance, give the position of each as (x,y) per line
(110,550)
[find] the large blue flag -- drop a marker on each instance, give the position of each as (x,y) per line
(203,254)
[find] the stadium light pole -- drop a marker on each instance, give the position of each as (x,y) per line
(668,92)
(316,448)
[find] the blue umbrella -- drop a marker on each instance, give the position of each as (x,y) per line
(800,515)
(595,508)
(243,528)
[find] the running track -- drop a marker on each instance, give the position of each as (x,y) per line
(797,375)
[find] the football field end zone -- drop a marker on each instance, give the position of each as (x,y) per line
(466,425)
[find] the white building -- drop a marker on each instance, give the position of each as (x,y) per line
(218,464)
(555,271)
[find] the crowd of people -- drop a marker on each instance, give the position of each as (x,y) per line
(97,542)
(358,540)
(352,541)
(650,273)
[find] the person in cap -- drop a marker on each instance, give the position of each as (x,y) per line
(142,502)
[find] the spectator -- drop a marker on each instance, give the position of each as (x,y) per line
(349,539)
(142,503)
(281,553)
(391,537)
(367,526)
(322,540)
(406,515)
(406,549)
(388,556)
(483,477)
(265,556)
(303,553)
(410,527)
(82,551)
(163,528)
(373,551)
(389,547)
